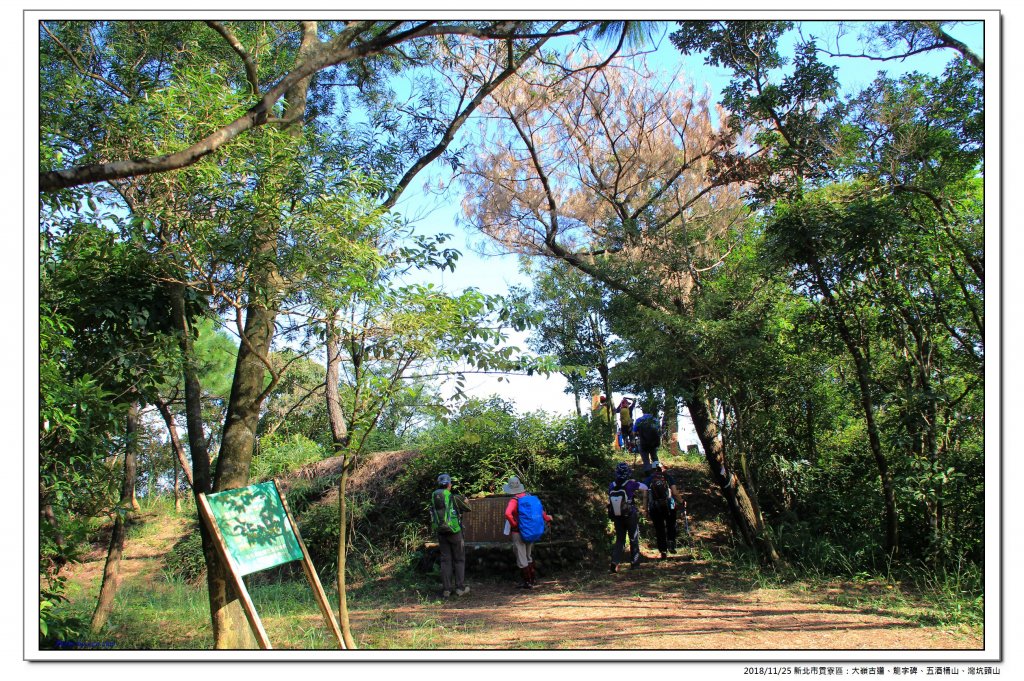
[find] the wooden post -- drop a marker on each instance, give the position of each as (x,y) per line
(236,580)
(310,570)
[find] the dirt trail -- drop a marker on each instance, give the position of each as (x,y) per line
(143,555)
(670,605)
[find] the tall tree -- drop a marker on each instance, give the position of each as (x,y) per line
(630,181)
(571,323)
(842,232)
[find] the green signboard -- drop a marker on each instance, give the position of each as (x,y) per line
(255,527)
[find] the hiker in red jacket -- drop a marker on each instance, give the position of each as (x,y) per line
(523,547)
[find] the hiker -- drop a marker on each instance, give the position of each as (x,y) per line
(663,502)
(648,434)
(446,509)
(625,410)
(622,510)
(526,517)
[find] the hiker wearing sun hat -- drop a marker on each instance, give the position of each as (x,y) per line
(622,510)
(526,518)
(446,511)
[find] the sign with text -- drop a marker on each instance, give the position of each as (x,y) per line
(255,528)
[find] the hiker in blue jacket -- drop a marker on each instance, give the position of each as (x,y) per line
(525,520)
(622,510)
(648,437)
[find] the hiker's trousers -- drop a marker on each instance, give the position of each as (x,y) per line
(648,455)
(453,560)
(522,550)
(664,529)
(627,524)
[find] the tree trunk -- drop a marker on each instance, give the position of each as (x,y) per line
(671,433)
(179,450)
(133,487)
(744,516)
(177,496)
(860,362)
(108,588)
(229,624)
(343,618)
(47,516)
(340,440)
(230,628)
(608,415)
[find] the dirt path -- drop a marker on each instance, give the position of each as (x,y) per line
(144,550)
(669,605)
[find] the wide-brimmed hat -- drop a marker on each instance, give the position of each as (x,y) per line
(513,486)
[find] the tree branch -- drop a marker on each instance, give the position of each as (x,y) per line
(247,60)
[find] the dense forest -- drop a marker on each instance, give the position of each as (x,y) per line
(230,292)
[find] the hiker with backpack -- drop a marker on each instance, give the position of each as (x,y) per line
(663,502)
(446,511)
(626,438)
(526,523)
(623,512)
(648,435)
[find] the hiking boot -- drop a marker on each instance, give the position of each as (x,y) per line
(462,592)
(664,555)
(634,566)
(613,568)
(524,585)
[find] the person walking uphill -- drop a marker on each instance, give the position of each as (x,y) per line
(624,514)
(446,511)
(648,435)
(663,502)
(526,518)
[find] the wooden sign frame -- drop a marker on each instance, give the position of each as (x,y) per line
(234,575)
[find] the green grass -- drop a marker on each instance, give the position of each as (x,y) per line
(951,600)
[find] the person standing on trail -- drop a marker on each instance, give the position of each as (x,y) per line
(622,510)
(446,511)
(625,410)
(648,434)
(663,502)
(526,523)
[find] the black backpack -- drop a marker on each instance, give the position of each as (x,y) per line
(649,432)
(661,492)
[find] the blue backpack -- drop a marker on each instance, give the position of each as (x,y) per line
(531,518)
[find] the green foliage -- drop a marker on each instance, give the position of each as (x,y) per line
(281,454)
(319,528)
(185,561)
(487,442)
(563,459)
(56,621)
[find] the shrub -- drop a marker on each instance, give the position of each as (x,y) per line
(487,442)
(279,454)
(563,458)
